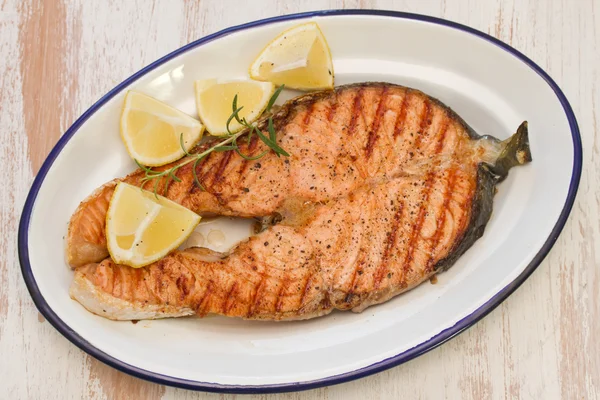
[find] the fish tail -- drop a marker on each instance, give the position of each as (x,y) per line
(515,151)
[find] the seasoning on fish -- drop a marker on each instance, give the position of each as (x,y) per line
(385,187)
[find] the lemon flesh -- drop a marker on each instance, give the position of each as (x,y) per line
(299,58)
(152,130)
(214,99)
(141,228)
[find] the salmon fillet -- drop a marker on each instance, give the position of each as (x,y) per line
(385,186)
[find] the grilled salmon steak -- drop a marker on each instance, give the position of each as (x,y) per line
(385,186)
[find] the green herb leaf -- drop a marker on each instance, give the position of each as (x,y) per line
(271,130)
(273,98)
(251,158)
(182,145)
(274,146)
(168,181)
(174,177)
(225,148)
(236,110)
(228,144)
(194,167)
(143,167)
(234,115)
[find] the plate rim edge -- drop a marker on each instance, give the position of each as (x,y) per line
(382,365)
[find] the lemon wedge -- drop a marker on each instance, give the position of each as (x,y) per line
(151,130)
(214,99)
(299,58)
(141,228)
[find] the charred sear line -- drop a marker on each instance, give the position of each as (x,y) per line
(442,134)
(416,232)
(401,116)
(256,297)
(425,122)
(218,175)
(355,275)
(358,266)
(183,286)
(306,289)
(204,176)
(93,229)
(229,300)
(332,108)
(374,131)
(310,107)
(280,299)
(417,227)
(202,305)
(441,219)
(250,153)
(356,111)
(389,245)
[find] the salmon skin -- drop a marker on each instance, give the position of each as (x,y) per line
(385,186)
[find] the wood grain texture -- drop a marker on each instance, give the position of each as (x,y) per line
(57,57)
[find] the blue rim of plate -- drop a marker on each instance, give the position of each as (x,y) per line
(398,359)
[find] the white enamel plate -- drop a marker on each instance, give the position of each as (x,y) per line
(492,86)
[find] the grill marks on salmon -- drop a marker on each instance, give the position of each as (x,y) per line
(385,187)
(362,250)
(340,140)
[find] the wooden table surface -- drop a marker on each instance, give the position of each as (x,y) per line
(58,57)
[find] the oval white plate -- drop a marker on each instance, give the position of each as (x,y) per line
(492,86)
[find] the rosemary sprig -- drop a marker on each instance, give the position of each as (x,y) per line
(229,144)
